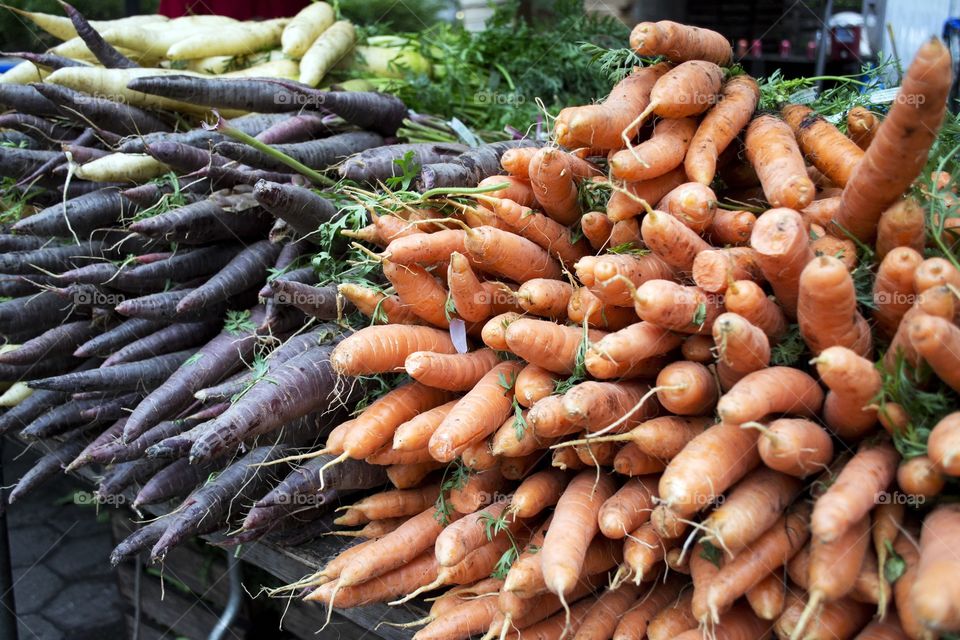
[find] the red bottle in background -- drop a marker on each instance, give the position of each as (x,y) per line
(239,9)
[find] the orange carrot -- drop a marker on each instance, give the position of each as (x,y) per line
(478,491)
(741,346)
(938,343)
(419,290)
(596,227)
(686,389)
(943,445)
(830,151)
(840,619)
(518,190)
(821,211)
(628,508)
(478,456)
(585,307)
(528,580)
(677,307)
(425,248)
(731,227)
(397,503)
(547,233)
(387,455)
(632,461)
(622,354)
(598,273)
(515,440)
(772,390)
(545,298)
(552,180)
(383,309)
(601,620)
(467,291)
(660,153)
(680,42)
(862,126)
(595,406)
(630,201)
(783,250)
(509,255)
(795,446)
(517,161)
(558,626)
(750,508)
(774,154)
(466,618)
(768,553)
(453,372)
(383,349)
(548,418)
(397,581)
(597,454)
(459,539)
(934,272)
(494,332)
(853,494)
(625,235)
(643,551)
(547,344)
(662,437)
(714,270)
(698,348)
(934,595)
(635,623)
(415,433)
(748,300)
(574,525)
(566,459)
(691,203)
(688,89)
(768,596)
(538,492)
(738,99)
(534,383)
(887,629)
(853,382)
(519,467)
(408,476)
(901,225)
(919,477)
(893,288)
(827,308)
(673,619)
(674,242)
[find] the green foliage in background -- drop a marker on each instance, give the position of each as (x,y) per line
(392,16)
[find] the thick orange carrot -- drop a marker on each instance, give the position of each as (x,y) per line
(827,308)
(453,372)
(854,383)
(425,248)
(901,225)
(467,291)
(706,467)
(397,503)
(574,525)
(518,190)
(515,440)
(418,570)
(772,390)
(774,154)
(630,201)
(731,228)
(468,617)
(934,272)
(420,291)
(673,619)
(935,596)
(749,301)
(596,228)
(494,332)
(862,125)
(599,274)
(943,445)
(674,242)
(467,534)
(741,346)
(738,99)
(509,255)
(691,203)
(538,492)
(823,144)
(635,623)
(392,227)
(938,342)
(625,235)
(601,620)
(632,461)
(768,596)
(674,306)
(783,250)
(899,151)
(383,349)
(698,348)
(517,161)
(663,437)
(686,389)
(479,490)
(547,344)
(768,553)
(893,292)
(383,309)
(597,454)
(553,185)
(538,228)
(920,478)
(840,619)
(375,427)
(628,508)
(621,354)
(887,629)
(821,211)
(688,89)
(795,446)
(545,298)
(660,153)
(714,270)
(750,508)
(549,419)
(853,494)
(408,476)
(680,42)
(643,551)
(415,433)
(478,456)
(585,307)
(534,383)
(595,405)
(602,125)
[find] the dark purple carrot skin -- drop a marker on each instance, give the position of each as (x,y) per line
(469,168)
(211,502)
(107,435)
(122,119)
(177,336)
(125,474)
(301,208)
(183,265)
(316,154)
(78,187)
(49,60)
(304,533)
(50,167)
(122,377)
(303,126)
(376,165)
(94,273)
(100,48)
(20,286)
(318,302)
(150,258)
(18,139)
(175,480)
(62,418)
(49,259)
(251,124)
(51,366)
(117,337)
(49,465)
(247,269)
(245,94)
(299,386)
(88,297)
(227,177)
(162,307)
(26,99)
(380,112)
(61,340)
(219,358)
(303,483)
(286,516)
(19,163)
(204,222)
(182,157)
(111,409)
(304,275)
(25,311)
(29,409)
(208,413)
(115,450)
(145,536)
(10,242)
(81,155)
(37,127)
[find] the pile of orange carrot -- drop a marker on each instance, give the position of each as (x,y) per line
(596,441)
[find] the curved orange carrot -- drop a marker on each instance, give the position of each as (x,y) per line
(660,153)
(509,255)
(467,290)
(630,201)
(830,151)
(674,242)
(827,308)
(731,228)
(854,383)
(585,307)
(795,446)
(748,300)
(371,303)
(383,349)
(621,354)
(862,125)
(375,427)
(453,372)
(546,232)
(783,250)
(937,341)
(772,390)
(680,42)
(420,290)
(738,99)
(741,347)
(547,344)
(538,492)
(534,383)
(774,154)
(553,185)
(628,508)
(599,274)
(677,307)
(596,228)
(901,225)
(893,288)
(545,298)
(425,248)
(943,445)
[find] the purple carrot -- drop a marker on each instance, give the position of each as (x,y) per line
(125,474)
(304,126)
(307,481)
(61,340)
(301,208)
(316,154)
(162,307)
(318,302)
(183,265)
(20,286)
(109,434)
(78,216)
(117,337)
(33,314)
(18,139)
(78,187)
(304,533)
(205,221)
(100,48)
(115,450)
(37,127)
(247,269)
(377,165)
(380,112)
(122,377)
(95,273)
(19,163)
(267,518)
(289,254)
(246,94)
(49,259)
(219,358)
(89,297)
(469,168)
(301,385)
(48,466)
(177,336)
(251,124)
(175,480)
(10,242)
(26,99)
(61,418)
(81,155)
(113,408)
(49,60)
(122,119)
(149,194)
(182,157)
(305,275)
(52,366)
(227,177)
(144,537)
(30,409)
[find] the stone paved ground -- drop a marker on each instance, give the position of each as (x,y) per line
(64,586)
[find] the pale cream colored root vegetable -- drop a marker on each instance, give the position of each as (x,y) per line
(305,27)
(332,45)
(112,84)
(232,40)
(122,167)
(61,26)
(288,69)
(23,73)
